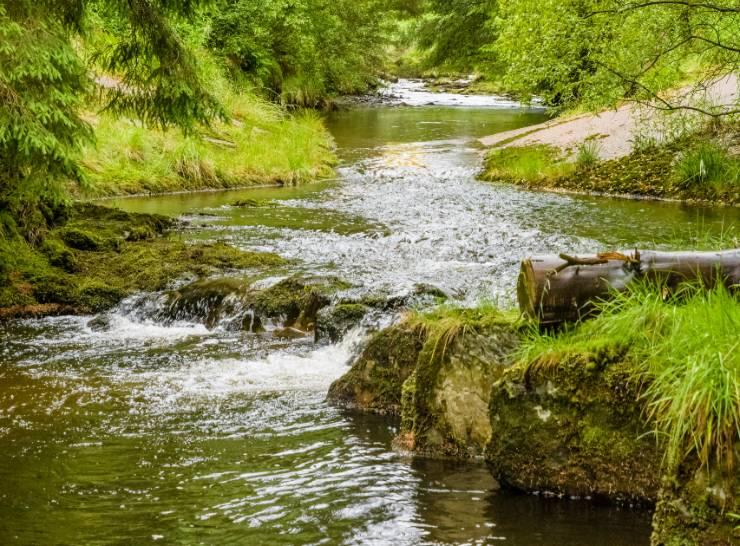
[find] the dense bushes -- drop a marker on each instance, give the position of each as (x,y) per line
(303,51)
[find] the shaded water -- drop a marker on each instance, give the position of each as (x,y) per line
(181,435)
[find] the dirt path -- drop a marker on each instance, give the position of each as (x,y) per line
(615,130)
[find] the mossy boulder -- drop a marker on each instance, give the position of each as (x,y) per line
(59,255)
(209,301)
(81,239)
(445,403)
(375,381)
(698,506)
(575,428)
(332,323)
(234,302)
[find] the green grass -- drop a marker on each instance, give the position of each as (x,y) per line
(529,164)
(442,325)
(707,167)
(261,143)
(685,351)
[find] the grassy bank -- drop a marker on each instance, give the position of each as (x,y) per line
(91,257)
(683,350)
(703,166)
(261,144)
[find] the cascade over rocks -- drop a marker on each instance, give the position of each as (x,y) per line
(233,302)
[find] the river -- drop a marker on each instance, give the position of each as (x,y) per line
(146,433)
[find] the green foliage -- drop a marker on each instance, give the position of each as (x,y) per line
(684,350)
(159,81)
(44,82)
(454,32)
(303,50)
(596,52)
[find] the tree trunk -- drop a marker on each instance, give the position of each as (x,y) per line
(556,289)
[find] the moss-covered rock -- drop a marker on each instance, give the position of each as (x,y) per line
(375,381)
(450,390)
(59,255)
(291,303)
(699,507)
(209,301)
(573,428)
(332,323)
(95,256)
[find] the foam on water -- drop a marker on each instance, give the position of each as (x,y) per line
(415,93)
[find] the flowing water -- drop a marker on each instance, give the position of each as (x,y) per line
(178,434)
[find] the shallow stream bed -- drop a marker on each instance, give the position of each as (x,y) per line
(145,433)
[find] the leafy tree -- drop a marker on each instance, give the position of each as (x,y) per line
(303,50)
(455,32)
(44,82)
(597,52)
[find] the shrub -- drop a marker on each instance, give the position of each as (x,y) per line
(707,165)
(588,153)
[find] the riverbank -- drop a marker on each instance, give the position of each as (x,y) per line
(90,257)
(600,411)
(260,144)
(630,151)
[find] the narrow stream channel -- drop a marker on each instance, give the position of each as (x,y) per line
(178,434)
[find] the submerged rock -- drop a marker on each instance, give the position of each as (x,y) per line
(573,428)
(332,323)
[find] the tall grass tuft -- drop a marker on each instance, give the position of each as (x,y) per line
(707,165)
(684,351)
(261,143)
(588,153)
